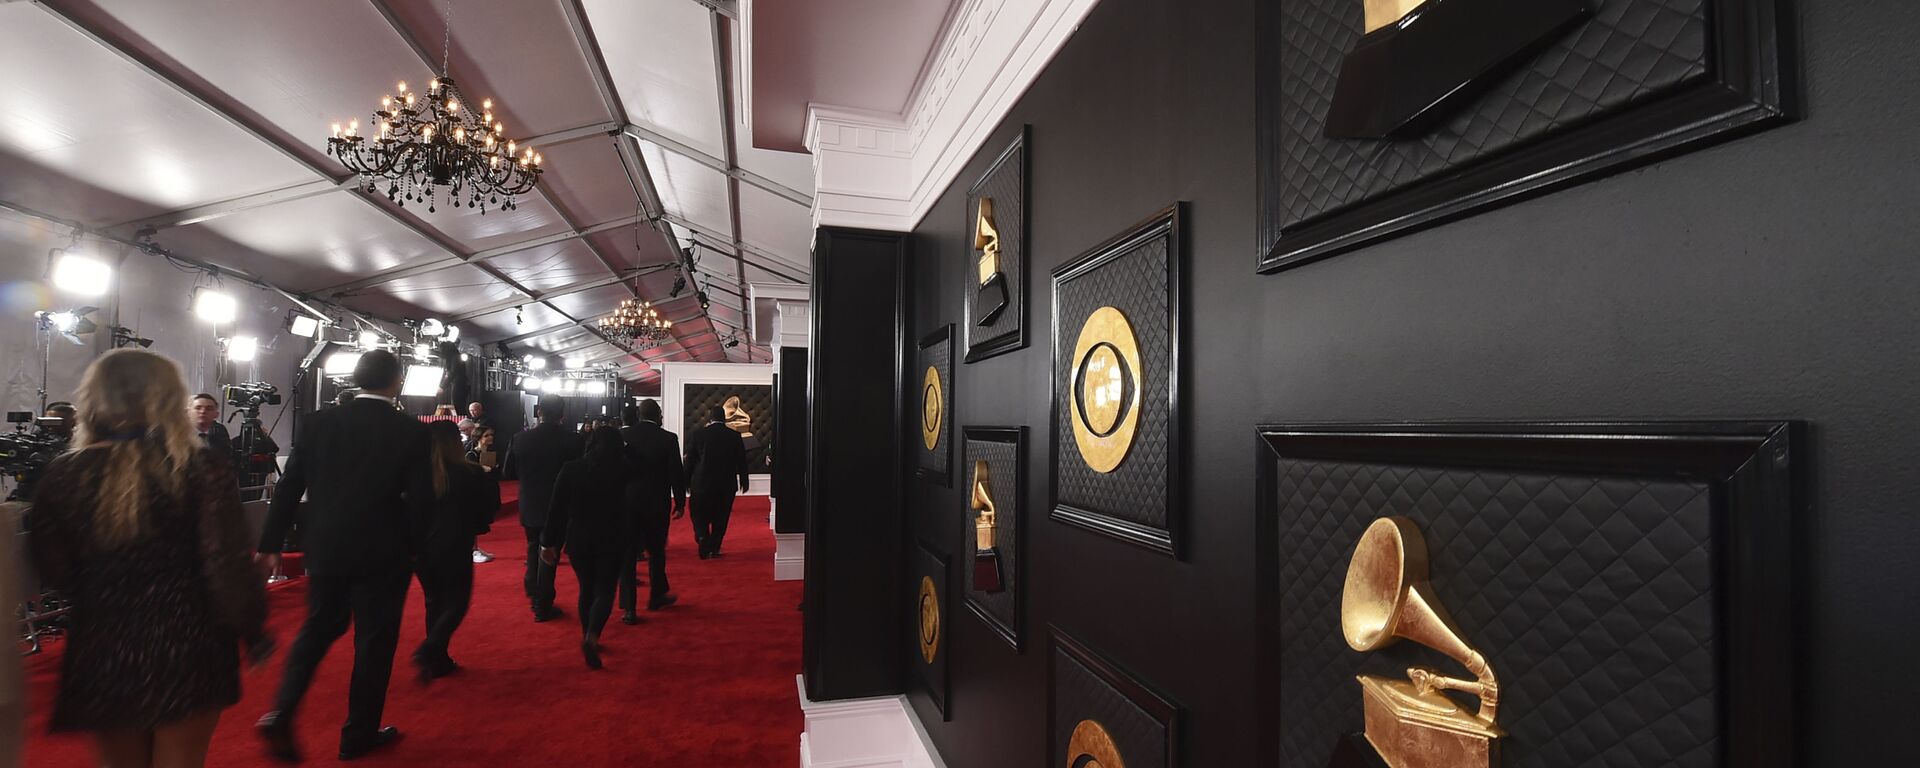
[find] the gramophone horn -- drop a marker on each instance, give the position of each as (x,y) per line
(1387,597)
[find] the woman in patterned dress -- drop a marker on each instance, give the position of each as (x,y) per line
(141,528)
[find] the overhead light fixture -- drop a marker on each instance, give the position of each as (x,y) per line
(422,352)
(463,357)
(63,322)
(214,306)
(422,381)
(80,275)
(530,383)
(569,386)
(419,142)
(636,320)
(369,339)
(519,316)
(304,326)
(452,335)
(243,349)
(536,363)
(596,387)
(432,328)
(340,363)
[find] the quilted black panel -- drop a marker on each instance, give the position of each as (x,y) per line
(1630,51)
(1006,183)
(935,463)
(1592,597)
(1137,283)
(1002,609)
(933,676)
(1079,693)
(756,399)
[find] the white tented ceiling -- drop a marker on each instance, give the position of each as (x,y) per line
(202,124)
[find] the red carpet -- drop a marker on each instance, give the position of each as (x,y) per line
(708,682)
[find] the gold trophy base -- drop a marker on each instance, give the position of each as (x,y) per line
(1411,728)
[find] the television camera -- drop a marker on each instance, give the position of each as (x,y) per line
(250,396)
(254,449)
(26,451)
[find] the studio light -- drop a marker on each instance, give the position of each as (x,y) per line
(464,357)
(304,326)
(422,352)
(340,363)
(452,335)
(80,275)
(243,349)
(432,328)
(569,386)
(536,363)
(596,387)
(128,337)
(215,307)
(369,339)
(63,322)
(422,381)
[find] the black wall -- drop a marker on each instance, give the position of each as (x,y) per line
(1772,277)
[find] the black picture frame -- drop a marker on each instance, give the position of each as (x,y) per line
(1755,475)
(1115,686)
(1751,85)
(1166,226)
(1006,618)
(1013,252)
(935,350)
(937,676)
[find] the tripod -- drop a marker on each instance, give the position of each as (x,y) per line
(251,436)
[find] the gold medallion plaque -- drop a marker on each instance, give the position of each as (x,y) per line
(933,406)
(1410,723)
(1092,747)
(1105,389)
(929,620)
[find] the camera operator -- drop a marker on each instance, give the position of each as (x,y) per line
(206,421)
(61,427)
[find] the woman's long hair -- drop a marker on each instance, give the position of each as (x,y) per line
(443,439)
(132,405)
(605,444)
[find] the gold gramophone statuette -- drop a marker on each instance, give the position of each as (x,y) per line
(990,296)
(1410,723)
(986,532)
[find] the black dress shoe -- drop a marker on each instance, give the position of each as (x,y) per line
(703,554)
(542,617)
(630,617)
(664,601)
(277,732)
(385,737)
(592,653)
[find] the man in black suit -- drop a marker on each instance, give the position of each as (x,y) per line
(656,454)
(715,457)
(535,460)
(364,469)
(206,421)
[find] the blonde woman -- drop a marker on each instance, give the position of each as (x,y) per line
(140,526)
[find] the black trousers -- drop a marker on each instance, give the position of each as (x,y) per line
(711,512)
(599,575)
(446,581)
(539,578)
(652,539)
(372,603)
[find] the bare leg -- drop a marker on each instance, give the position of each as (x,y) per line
(124,749)
(183,744)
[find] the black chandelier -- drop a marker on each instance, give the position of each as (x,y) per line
(636,322)
(422,143)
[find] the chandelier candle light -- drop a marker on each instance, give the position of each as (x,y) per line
(425,141)
(636,321)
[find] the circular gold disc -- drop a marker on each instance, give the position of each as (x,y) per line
(1105,389)
(1091,747)
(929,620)
(933,407)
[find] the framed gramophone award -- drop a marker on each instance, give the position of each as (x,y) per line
(932,376)
(992,464)
(1116,445)
(1099,716)
(930,624)
(996,288)
(1528,595)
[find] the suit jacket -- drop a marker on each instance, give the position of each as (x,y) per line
(589,512)
(535,460)
(716,460)
(655,454)
(363,467)
(219,441)
(473,498)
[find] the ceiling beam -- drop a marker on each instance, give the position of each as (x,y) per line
(222,208)
(740,248)
(722,66)
(436,265)
(732,170)
(556,138)
(565,290)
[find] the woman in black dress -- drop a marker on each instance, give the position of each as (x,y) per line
(466,497)
(142,529)
(590,518)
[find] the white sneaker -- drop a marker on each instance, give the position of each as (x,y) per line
(482,556)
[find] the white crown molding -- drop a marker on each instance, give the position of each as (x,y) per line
(883,171)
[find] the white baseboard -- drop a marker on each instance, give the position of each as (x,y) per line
(880,732)
(789,556)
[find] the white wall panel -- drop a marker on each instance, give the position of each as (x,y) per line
(660,53)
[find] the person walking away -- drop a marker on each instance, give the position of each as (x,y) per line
(480,453)
(466,497)
(590,519)
(657,494)
(365,469)
(535,459)
(140,527)
(716,456)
